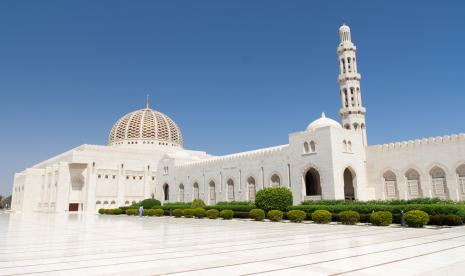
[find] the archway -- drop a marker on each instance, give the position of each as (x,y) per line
(390,185)
(252,190)
(181,193)
(230,190)
(212,193)
(349,191)
(312,183)
(461,178)
(438,183)
(196,190)
(413,183)
(166,192)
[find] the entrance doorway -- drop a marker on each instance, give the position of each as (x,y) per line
(73,207)
(349,191)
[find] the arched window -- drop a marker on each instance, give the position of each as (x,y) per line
(230,190)
(349,146)
(105,203)
(390,185)
(181,192)
(461,178)
(252,189)
(312,183)
(355,126)
(275,180)
(113,203)
(312,146)
(166,192)
(344,145)
(212,193)
(413,183)
(347,126)
(126,202)
(98,202)
(196,190)
(438,183)
(306,148)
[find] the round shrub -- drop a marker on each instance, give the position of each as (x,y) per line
(275,215)
(349,217)
(150,203)
(227,214)
(416,218)
(198,203)
(149,212)
(117,211)
(132,212)
(381,218)
(321,216)
(188,213)
(213,214)
(257,214)
(199,212)
(296,215)
(101,211)
(273,198)
(158,212)
(177,213)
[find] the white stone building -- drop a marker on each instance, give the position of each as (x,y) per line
(327,160)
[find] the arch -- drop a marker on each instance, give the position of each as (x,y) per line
(251,188)
(195,192)
(166,192)
(413,183)
(211,193)
(349,146)
(438,183)
(312,183)
(347,126)
(390,185)
(126,202)
(349,180)
(275,180)
(230,184)
(181,192)
(461,178)
(344,144)
(306,147)
(355,126)
(312,146)
(105,203)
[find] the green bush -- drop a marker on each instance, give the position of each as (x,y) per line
(416,218)
(213,214)
(349,217)
(296,215)
(158,212)
(198,203)
(241,215)
(233,207)
(178,213)
(381,218)
(149,212)
(101,211)
(123,208)
(449,220)
(227,214)
(321,216)
(273,198)
(132,212)
(236,203)
(150,203)
(275,215)
(365,218)
(188,213)
(199,212)
(117,211)
(257,214)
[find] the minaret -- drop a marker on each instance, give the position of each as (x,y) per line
(352,112)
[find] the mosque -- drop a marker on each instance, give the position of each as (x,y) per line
(145,158)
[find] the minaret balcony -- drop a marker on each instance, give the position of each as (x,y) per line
(348,76)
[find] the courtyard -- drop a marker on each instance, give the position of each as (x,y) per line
(76,244)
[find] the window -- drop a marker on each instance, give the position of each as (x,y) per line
(312,146)
(99,176)
(438,183)
(230,190)
(413,183)
(390,185)
(114,176)
(127,177)
(306,148)
(106,176)
(140,177)
(275,180)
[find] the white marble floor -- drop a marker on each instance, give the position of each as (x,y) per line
(91,244)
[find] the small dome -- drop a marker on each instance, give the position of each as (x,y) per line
(145,127)
(323,122)
(344,27)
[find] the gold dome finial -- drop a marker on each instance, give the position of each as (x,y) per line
(147,102)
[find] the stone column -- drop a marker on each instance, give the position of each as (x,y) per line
(63,187)
(91,186)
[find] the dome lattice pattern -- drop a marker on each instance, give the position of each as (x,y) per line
(147,125)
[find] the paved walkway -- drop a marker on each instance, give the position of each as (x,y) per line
(91,244)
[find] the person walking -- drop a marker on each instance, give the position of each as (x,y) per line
(141,211)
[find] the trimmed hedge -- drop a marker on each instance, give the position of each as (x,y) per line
(449,220)
(381,218)
(241,215)
(213,214)
(199,213)
(257,214)
(227,214)
(150,203)
(349,217)
(198,203)
(233,207)
(275,215)
(321,216)
(149,212)
(132,212)
(158,212)
(296,215)
(273,198)
(177,213)
(416,218)
(188,213)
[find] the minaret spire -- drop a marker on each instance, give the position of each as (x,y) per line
(352,112)
(147,102)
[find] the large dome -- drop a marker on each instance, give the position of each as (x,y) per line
(145,127)
(323,122)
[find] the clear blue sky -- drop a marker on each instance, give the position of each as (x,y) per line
(234,75)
